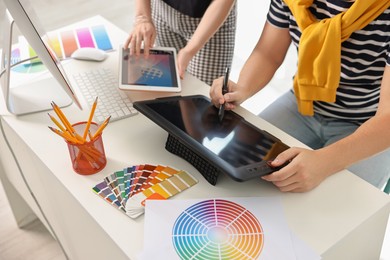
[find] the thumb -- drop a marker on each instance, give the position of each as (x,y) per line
(181,72)
(284,157)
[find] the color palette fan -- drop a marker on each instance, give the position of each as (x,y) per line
(128,189)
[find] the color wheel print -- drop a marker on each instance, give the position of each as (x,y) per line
(26,67)
(217,229)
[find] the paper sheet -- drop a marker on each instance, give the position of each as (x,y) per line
(221,228)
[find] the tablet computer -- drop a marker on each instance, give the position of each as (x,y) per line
(233,145)
(158,72)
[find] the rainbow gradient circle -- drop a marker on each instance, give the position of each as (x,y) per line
(217,229)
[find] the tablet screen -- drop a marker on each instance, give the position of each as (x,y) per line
(234,140)
(158,70)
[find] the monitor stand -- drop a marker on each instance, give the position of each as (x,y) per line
(35,96)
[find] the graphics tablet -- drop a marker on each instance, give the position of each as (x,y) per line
(158,72)
(233,146)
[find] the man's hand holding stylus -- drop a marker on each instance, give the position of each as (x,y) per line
(234,96)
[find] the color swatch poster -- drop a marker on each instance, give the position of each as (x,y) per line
(226,228)
(62,43)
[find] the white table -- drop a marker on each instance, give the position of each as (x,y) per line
(343,218)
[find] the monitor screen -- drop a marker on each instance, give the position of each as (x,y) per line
(28,23)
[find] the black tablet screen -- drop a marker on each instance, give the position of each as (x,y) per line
(235,140)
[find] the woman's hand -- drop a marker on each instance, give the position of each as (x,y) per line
(183,59)
(305,171)
(143,32)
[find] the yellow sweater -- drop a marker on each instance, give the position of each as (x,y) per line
(319,52)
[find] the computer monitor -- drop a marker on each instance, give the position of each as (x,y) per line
(37,95)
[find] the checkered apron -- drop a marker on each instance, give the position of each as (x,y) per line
(175,29)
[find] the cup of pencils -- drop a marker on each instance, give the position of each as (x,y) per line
(87,157)
(84,140)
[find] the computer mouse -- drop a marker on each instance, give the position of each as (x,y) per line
(91,54)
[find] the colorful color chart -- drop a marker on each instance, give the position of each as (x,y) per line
(128,189)
(25,68)
(62,44)
(217,229)
(220,229)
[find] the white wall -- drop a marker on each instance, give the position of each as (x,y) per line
(252,16)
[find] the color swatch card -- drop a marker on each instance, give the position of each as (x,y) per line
(221,228)
(128,189)
(63,43)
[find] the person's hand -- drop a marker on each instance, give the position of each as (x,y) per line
(183,59)
(143,32)
(306,170)
(234,97)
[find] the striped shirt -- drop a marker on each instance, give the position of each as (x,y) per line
(363,59)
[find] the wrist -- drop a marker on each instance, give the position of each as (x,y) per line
(141,19)
(192,47)
(335,160)
(186,52)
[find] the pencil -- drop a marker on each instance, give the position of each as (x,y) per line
(62,117)
(57,123)
(65,121)
(90,135)
(92,159)
(63,135)
(101,128)
(91,153)
(90,119)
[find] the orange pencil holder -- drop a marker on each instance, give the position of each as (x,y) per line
(88,157)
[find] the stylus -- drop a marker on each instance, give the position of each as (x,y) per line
(221,111)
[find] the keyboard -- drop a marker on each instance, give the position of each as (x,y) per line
(102,83)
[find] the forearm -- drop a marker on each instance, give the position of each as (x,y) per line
(265,59)
(370,138)
(211,21)
(142,8)
(256,75)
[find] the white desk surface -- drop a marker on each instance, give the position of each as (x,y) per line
(335,219)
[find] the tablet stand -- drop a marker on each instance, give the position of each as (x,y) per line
(209,172)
